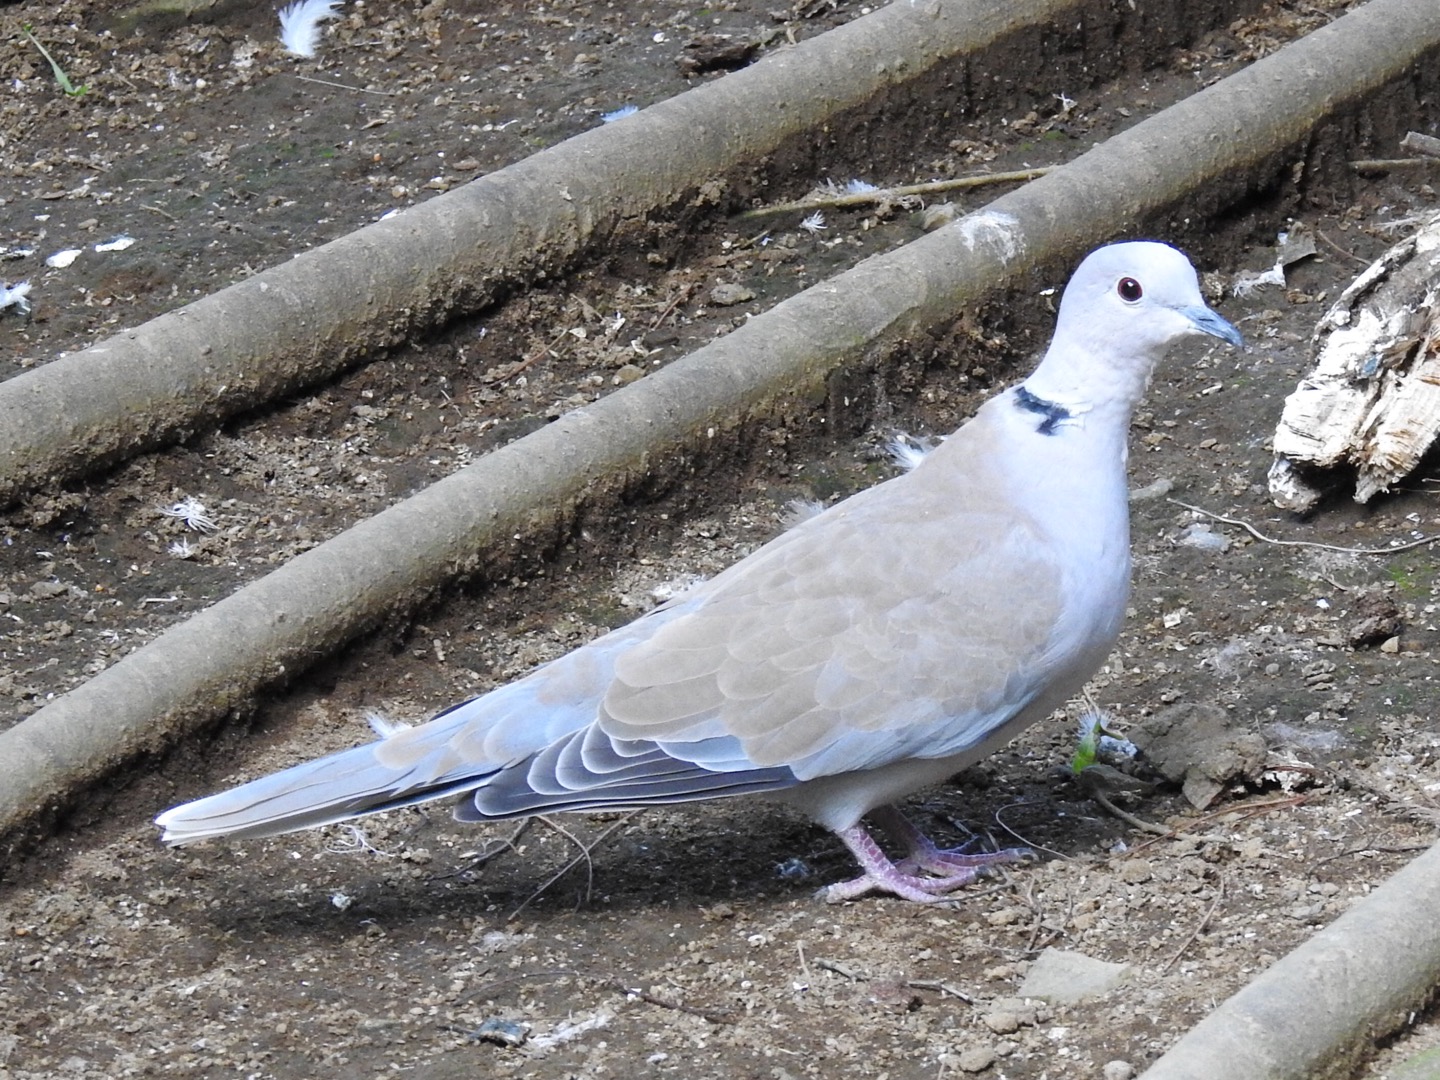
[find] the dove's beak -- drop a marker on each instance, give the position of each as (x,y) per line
(1207,322)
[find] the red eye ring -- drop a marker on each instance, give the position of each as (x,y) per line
(1129,290)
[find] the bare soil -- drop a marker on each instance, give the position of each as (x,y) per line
(680,942)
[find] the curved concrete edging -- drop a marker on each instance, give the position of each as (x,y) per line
(198,670)
(297,323)
(1355,981)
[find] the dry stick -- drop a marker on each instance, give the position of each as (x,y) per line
(582,857)
(804,967)
(543,351)
(1033,846)
(501,846)
(1386,164)
(862,198)
(680,296)
(1383,849)
(721,1016)
(584,851)
(1307,543)
(1219,892)
(344,86)
(941,988)
(1343,251)
(839,969)
(1127,817)
(489,988)
(610,982)
(1246,811)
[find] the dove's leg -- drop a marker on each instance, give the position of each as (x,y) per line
(922,853)
(882,875)
(952,868)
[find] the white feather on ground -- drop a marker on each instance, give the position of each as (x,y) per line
(300,25)
(16,295)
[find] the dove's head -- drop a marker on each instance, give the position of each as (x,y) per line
(1125,305)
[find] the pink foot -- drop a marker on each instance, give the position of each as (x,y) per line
(923,854)
(951,869)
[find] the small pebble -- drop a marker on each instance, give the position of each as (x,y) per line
(1135,871)
(1203,538)
(726,294)
(936,216)
(975,1059)
(1156,489)
(1002,1022)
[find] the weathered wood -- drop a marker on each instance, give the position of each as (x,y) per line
(1372,401)
(1421,144)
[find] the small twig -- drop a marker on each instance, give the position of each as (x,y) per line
(1219,892)
(804,967)
(584,856)
(1245,811)
(501,846)
(1386,849)
(345,86)
(486,990)
(1028,843)
(1127,817)
(749,242)
(864,198)
(610,982)
(839,969)
(1343,251)
(1027,894)
(1386,164)
(538,354)
(1307,543)
(724,1016)
(941,988)
(156,210)
(680,296)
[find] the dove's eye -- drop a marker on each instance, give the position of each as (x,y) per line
(1129,290)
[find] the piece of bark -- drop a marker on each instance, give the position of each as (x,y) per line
(1372,401)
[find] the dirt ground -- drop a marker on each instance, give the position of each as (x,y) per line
(678,942)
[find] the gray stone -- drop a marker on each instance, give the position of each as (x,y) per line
(1067,978)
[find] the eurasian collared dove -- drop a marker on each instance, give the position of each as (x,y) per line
(876,647)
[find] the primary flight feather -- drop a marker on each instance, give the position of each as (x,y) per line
(876,647)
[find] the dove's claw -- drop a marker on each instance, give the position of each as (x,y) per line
(922,853)
(948,870)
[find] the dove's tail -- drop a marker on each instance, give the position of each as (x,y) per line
(580,769)
(344,785)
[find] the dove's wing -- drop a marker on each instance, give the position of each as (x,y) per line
(885,629)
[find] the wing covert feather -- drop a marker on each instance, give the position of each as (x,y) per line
(887,629)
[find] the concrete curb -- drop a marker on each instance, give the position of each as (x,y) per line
(1308,1016)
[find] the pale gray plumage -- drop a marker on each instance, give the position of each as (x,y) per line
(874,648)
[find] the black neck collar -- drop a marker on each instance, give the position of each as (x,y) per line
(1053,412)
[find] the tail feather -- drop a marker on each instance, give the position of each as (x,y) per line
(345,785)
